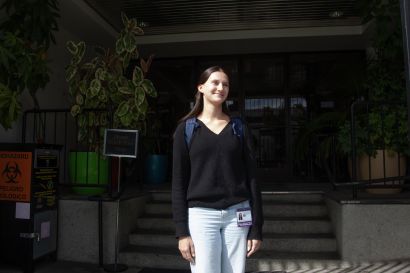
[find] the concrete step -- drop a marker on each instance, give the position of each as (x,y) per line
(299,244)
(289,197)
(158,207)
(169,257)
(152,257)
(270,209)
(161,196)
(293,197)
(281,209)
(271,225)
(272,242)
(297,225)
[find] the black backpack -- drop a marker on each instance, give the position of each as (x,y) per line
(192,124)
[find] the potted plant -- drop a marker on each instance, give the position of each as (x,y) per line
(380,128)
(26,33)
(110,89)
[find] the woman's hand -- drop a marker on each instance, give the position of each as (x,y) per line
(253,246)
(187,249)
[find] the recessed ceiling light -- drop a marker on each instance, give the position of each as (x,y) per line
(143,24)
(336,14)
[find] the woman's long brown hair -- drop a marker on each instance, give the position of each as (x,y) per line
(199,102)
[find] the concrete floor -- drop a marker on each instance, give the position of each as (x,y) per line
(61,267)
(74,267)
(70,267)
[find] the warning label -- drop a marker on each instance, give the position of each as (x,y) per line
(15,176)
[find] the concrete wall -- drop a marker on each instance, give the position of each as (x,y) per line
(371,232)
(78,228)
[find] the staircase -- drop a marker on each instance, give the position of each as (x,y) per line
(297,235)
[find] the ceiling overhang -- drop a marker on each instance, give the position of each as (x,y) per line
(192,27)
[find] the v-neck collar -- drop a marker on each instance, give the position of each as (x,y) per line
(217,134)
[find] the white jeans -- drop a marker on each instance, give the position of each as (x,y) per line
(220,245)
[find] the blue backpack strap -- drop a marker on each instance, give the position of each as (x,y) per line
(237,127)
(190,125)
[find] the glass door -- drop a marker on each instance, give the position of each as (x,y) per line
(266,111)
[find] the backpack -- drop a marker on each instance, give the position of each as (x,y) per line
(191,124)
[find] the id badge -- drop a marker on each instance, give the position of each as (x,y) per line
(244,217)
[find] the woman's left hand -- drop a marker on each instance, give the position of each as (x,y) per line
(253,246)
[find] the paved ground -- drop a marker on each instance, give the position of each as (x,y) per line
(70,267)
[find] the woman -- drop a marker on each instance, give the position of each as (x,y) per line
(213,181)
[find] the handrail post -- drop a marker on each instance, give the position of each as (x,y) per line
(353,147)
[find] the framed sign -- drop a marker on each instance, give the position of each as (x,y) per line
(121,143)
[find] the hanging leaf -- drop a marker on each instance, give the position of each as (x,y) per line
(75,110)
(149,88)
(122,109)
(94,92)
(102,95)
(137,76)
(79,99)
(81,50)
(98,73)
(139,95)
(144,107)
(119,46)
(83,87)
(96,85)
(130,42)
(126,120)
(70,72)
(72,47)
(144,66)
(125,90)
(124,18)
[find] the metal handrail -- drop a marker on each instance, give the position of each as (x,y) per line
(57,126)
(355,182)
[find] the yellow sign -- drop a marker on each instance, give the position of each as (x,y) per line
(15,176)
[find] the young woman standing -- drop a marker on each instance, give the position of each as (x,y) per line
(213,182)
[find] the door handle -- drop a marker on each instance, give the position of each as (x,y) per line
(34,235)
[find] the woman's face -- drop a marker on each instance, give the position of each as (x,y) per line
(215,90)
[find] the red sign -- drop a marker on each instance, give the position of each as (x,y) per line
(15,176)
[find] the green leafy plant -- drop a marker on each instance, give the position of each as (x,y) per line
(26,33)
(113,80)
(383,127)
(383,124)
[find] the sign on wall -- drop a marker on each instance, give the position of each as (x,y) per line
(15,176)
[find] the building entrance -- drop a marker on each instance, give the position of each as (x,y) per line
(277,95)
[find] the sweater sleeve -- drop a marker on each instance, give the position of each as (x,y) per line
(180,180)
(255,232)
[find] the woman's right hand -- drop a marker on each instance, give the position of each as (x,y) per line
(187,249)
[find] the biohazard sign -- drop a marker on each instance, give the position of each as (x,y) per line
(15,176)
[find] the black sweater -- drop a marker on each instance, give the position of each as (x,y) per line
(216,171)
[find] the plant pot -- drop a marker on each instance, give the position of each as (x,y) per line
(376,170)
(156,167)
(88,168)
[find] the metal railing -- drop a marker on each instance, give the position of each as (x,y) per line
(379,142)
(59,127)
